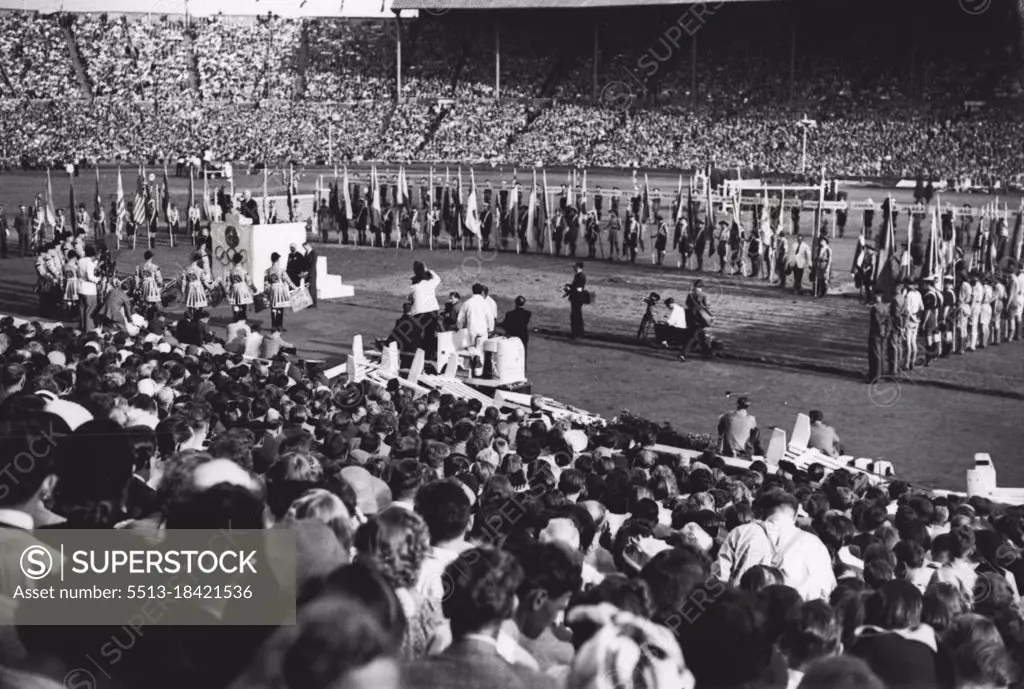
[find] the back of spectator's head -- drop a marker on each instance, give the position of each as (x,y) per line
(552,573)
(672,576)
(289,477)
(93,474)
(24,466)
(336,641)
(980,658)
(222,506)
(396,541)
(894,605)
(723,617)
(445,508)
(759,577)
(482,593)
(840,672)
(810,631)
(323,506)
(626,594)
(406,478)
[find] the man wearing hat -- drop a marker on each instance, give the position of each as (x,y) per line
(578,295)
(1015,304)
(723,245)
(977,300)
(932,301)
(800,261)
(965,295)
(947,318)
(823,266)
(878,337)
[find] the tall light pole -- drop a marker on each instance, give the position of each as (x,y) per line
(806,124)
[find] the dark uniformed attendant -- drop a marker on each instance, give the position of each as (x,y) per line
(599,203)
(947,318)
(879,328)
(578,296)
(517,323)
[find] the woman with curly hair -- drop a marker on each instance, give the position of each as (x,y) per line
(396,541)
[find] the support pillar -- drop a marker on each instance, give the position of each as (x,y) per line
(497,59)
(792,60)
(693,68)
(398,57)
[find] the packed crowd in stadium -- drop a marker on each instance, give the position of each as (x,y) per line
(443,542)
(270,89)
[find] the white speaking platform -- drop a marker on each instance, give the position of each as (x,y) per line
(255,244)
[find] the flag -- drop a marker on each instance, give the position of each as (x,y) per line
(1018,232)
(122,211)
(932,259)
(766,223)
(546,210)
(583,194)
(192,189)
(375,213)
(99,199)
(472,212)
(401,193)
(207,214)
(290,195)
(74,206)
(709,223)
(513,202)
(570,192)
(345,195)
(645,206)
(531,213)
(165,198)
(266,192)
(49,212)
(885,280)
(679,200)
(139,202)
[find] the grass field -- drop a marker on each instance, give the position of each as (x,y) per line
(788,354)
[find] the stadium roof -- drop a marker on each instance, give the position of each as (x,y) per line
(436,6)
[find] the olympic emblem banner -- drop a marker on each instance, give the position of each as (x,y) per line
(254,243)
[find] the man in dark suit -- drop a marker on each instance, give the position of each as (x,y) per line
(577,295)
(476,617)
(23,226)
(311,258)
(517,323)
(878,336)
(250,209)
(296,264)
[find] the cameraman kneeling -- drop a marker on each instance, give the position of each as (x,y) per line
(673,329)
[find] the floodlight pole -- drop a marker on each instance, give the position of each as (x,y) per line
(497,59)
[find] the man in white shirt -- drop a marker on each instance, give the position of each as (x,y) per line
(673,328)
(476,316)
(87,280)
(1015,302)
(491,304)
(913,309)
(237,333)
(253,342)
(800,260)
(775,540)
